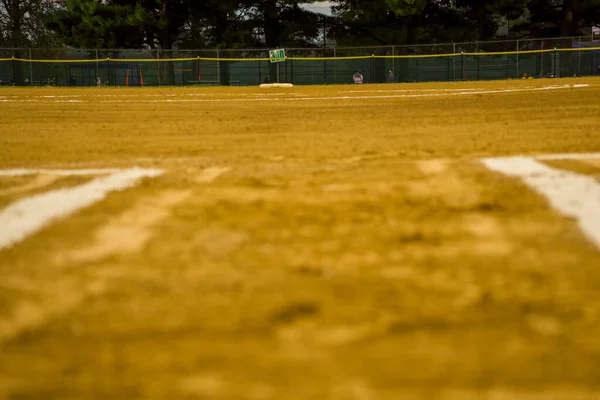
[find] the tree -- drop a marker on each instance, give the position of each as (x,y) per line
(284,23)
(398,22)
(22,23)
(221,24)
(117,24)
(369,23)
(92,24)
(564,18)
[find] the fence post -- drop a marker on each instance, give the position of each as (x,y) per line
(478,62)
(259,72)
(198,70)
(108,70)
(554,69)
(13,81)
(324,64)
(462,65)
(334,66)
(454,62)
(30,68)
(291,68)
(158,66)
(394,63)
(417,69)
(579,58)
(285,65)
(218,68)
(517,60)
(97,62)
(372,67)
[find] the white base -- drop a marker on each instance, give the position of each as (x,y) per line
(276,85)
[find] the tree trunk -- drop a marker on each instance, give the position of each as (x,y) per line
(221,26)
(271,29)
(568,28)
(166,44)
(16,39)
(403,69)
(568,25)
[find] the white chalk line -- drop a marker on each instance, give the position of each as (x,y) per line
(27,216)
(568,156)
(61,96)
(575,195)
(60,172)
(427,93)
(409,90)
(318,98)
(41,101)
(212,173)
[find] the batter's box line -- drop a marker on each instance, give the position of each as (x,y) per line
(29,215)
(572,194)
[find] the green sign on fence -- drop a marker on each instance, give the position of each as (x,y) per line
(277,55)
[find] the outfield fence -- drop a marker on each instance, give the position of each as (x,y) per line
(558,57)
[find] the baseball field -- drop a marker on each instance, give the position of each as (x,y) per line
(358,242)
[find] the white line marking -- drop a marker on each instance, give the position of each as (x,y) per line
(210,174)
(409,90)
(391,96)
(53,97)
(60,172)
(568,156)
(432,93)
(574,195)
(21,101)
(39,181)
(25,217)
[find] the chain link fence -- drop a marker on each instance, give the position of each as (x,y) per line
(558,57)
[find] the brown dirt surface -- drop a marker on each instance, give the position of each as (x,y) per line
(332,242)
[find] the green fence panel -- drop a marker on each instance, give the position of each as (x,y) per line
(305,66)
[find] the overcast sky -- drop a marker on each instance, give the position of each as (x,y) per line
(320,6)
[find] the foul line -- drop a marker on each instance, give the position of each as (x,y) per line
(575,195)
(442,93)
(59,172)
(568,156)
(27,216)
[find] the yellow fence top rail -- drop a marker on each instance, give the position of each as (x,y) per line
(373,56)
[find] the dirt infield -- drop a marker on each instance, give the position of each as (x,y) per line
(336,242)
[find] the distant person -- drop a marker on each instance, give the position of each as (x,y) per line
(358,78)
(267,79)
(12,81)
(26,81)
(390,76)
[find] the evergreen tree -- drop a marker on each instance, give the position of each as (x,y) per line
(396,22)
(93,24)
(564,18)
